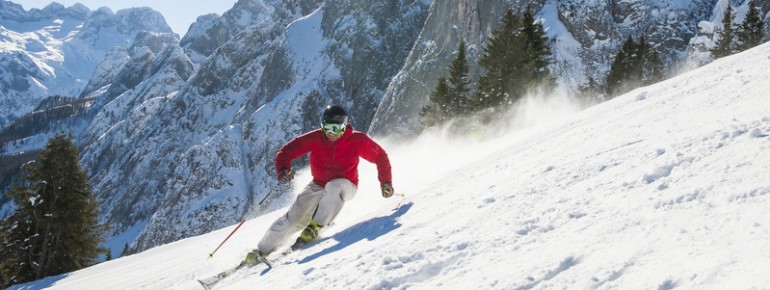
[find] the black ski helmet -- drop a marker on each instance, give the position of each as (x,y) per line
(335,114)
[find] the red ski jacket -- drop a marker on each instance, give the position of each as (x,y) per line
(339,159)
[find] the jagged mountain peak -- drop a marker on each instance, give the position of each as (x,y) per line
(211,31)
(126,21)
(77,10)
(63,46)
(15,12)
(155,41)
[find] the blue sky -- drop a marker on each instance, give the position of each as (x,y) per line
(178,13)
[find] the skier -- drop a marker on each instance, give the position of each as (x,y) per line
(334,154)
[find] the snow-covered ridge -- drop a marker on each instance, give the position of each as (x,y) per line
(59,48)
(10,11)
(664,187)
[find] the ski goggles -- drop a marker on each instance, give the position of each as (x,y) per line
(334,128)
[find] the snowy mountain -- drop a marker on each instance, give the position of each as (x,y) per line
(179,138)
(664,187)
(54,51)
(587,36)
(709,31)
(209,32)
(172,158)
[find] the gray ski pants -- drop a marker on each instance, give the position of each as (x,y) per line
(322,204)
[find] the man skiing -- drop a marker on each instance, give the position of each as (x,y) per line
(334,154)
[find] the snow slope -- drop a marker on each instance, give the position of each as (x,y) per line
(664,187)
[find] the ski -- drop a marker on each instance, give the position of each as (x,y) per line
(265,261)
(209,282)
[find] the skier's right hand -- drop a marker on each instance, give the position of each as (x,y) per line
(387,190)
(285,175)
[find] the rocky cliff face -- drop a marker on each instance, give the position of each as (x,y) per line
(117,94)
(210,32)
(587,35)
(172,158)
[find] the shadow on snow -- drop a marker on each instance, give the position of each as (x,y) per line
(367,230)
(43,283)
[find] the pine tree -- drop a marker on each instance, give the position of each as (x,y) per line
(437,111)
(638,61)
(591,91)
(459,81)
(635,64)
(648,67)
(126,251)
(55,228)
(451,96)
(619,70)
(653,68)
(537,50)
(725,45)
(752,30)
(516,58)
(501,60)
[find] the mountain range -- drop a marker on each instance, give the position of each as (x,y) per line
(664,187)
(178,135)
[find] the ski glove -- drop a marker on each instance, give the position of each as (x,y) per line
(387,190)
(285,175)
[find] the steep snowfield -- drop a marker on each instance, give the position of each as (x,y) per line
(664,187)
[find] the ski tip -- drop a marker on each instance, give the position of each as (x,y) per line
(205,286)
(266,262)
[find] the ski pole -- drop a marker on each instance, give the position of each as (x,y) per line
(228,237)
(403,198)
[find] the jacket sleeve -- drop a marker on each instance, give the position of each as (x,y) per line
(294,149)
(373,153)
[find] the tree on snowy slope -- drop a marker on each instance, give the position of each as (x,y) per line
(725,45)
(500,60)
(437,112)
(451,97)
(55,228)
(616,77)
(537,50)
(515,59)
(636,64)
(752,30)
(459,81)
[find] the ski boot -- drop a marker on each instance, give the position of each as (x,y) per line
(255,257)
(309,234)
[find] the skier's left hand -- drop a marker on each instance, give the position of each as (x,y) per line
(387,190)
(285,175)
